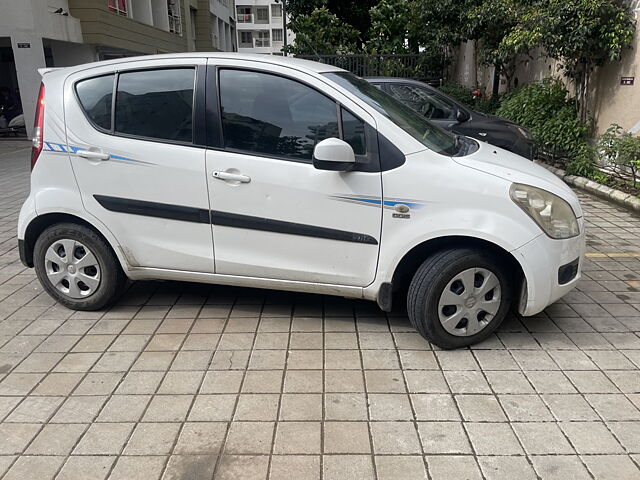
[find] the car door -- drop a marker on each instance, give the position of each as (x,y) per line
(274,215)
(140,162)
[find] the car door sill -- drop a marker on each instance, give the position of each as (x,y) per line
(149,273)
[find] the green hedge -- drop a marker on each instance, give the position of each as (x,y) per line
(544,108)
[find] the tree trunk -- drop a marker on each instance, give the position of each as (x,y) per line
(583,92)
(496,81)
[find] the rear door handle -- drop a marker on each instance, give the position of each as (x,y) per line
(234,177)
(91,155)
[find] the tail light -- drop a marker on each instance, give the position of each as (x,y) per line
(38,126)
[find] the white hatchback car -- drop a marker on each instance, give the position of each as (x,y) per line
(271,172)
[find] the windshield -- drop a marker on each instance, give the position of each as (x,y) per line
(413,123)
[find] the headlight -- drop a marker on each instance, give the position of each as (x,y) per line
(554,216)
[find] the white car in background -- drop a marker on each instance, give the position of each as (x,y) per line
(271,172)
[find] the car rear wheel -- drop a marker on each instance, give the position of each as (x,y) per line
(459,297)
(77,267)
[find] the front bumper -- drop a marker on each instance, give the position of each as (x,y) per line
(544,262)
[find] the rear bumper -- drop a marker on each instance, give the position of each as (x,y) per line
(550,269)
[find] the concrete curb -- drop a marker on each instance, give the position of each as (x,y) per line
(616,196)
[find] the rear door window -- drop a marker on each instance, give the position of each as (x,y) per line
(156,104)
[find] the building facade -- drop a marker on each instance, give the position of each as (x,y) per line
(214,25)
(59,33)
(261,26)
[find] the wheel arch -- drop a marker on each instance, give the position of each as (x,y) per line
(40,223)
(409,263)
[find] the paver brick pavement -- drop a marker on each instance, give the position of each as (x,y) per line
(196,381)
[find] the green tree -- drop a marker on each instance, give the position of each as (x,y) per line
(354,13)
(391,28)
(581,34)
(492,24)
(322,33)
(303,7)
(437,26)
(622,149)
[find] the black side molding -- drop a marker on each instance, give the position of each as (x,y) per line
(153,209)
(225,219)
(234,220)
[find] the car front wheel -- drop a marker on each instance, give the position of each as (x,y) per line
(459,297)
(77,267)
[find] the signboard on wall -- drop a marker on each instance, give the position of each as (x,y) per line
(24,45)
(627,80)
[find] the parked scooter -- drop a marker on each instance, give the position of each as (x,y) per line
(15,127)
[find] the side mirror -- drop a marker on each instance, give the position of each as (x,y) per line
(462,115)
(333,154)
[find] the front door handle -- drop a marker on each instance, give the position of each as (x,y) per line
(91,155)
(234,177)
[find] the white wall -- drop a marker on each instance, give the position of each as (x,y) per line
(67,54)
(28,22)
(141,11)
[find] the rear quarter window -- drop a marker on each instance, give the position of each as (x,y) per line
(95,96)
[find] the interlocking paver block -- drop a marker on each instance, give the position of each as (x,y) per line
(180,381)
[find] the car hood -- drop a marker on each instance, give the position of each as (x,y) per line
(514,168)
(483,121)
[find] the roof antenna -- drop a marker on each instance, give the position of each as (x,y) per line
(313,49)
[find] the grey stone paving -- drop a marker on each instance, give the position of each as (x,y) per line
(195,381)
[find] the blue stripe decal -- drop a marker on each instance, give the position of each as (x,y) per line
(62,148)
(374,201)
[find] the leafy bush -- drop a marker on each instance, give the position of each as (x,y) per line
(545,110)
(460,93)
(622,149)
(584,162)
(464,95)
(487,105)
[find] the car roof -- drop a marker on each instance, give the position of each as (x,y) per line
(307,65)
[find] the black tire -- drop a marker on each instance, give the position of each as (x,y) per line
(429,283)
(111,279)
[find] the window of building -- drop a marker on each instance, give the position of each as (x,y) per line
(156,104)
(243,15)
(118,6)
(276,34)
(262,14)
(272,115)
(353,132)
(95,97)
(192,18)
(276,10)
(175,17)
(262,39)
(246,39)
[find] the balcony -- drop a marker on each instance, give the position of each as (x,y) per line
(256,43)
(244,18)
